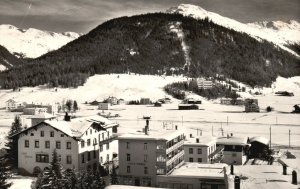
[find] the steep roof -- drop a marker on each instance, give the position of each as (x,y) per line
(260,139)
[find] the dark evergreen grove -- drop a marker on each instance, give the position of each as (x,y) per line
(213,50)
(4,173)
(7,59)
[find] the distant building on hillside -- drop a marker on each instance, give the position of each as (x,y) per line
(188,107)
(157,104)
(251,105)
(12,104)
(121,101)
(34,111)
(204,84)
(145,154)
(296,108)
(191,101)
(81,143)
(112,100)
(145,101)
(259,147)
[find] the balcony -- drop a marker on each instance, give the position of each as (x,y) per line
(108,139)
(175,146)
(170,161)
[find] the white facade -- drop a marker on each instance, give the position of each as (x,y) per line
(34,111)
(12,105)
(144,156)
(201,150)
(204,84)
(77,143)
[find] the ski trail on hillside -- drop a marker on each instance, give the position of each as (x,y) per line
(176,28)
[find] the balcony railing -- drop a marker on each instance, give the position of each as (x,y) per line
(175,146)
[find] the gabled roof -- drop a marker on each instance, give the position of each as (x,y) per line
(76,127)
(260,139)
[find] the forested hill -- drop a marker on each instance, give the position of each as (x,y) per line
(157,43)
(7,60)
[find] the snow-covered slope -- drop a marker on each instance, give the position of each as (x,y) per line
(286,31)
(199,13)
(31,42)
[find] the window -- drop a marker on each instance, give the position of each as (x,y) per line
(128,169)
(160,171)
(62,135)
(68,145)
(82,158)
(191,160)
(107,134)
(91,131)
(199,160)
(86,133)
(36,144)
(59,157)
(191,151)
(145,158)
(145,146)
(42,158)
(26,143)
(82,144)
(89,156)
(107,157)
(58,145)
(102,136)
(127,145)
(31,134)
(47,144)
(42,133)
(88,142)
(101,148)
(95,141)
(199,150)
(95,154)
(51,133)
(107,146)
(101,159)
(145,170)
(128,157)
(69,159)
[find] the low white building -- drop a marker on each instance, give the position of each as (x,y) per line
(34,111)
(194,176)
(204,84)
(201,149)
(81,143)
(145,154)
(103,106)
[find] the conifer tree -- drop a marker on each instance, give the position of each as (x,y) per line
(69,105)
(4,174)
(71,181)
(75,106)
(12,142)
(98,182)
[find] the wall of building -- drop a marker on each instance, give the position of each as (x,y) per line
(27,155)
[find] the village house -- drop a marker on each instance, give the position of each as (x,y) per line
(112,100)
(251,105)
(204,84)
(12,104)
(201,150)
(234,149)
(34,111)
(145,154)
(145,101)
(103,106)
(259,147)
(81,143)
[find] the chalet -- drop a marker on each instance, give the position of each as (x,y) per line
(94,103)
(259,147)
(234,149)
(296,108)
(157,104)
(121,101)
(81,143)
(251,105)
(191,101)
(11,104)
(204,84)
(103,106)
(112,100)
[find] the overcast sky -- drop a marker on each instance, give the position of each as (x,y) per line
(84,15)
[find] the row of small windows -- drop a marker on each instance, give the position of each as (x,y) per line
(145,145)
(47,144)
(191,150)
(128,170)
(192,160)
(44,158)
(88,141)
(42,134)
(145,157)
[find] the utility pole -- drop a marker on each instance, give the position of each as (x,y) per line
(289,138)
(270,137)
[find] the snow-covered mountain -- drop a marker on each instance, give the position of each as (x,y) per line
(32,43)
(288,31)
(257,31)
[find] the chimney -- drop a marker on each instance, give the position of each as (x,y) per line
(231,134)
(197,140)
(284,169)
(231,169)
(294,177)
(176,127)
(67,117)
(146,130)
(237,182)
(227,135)
(191,135)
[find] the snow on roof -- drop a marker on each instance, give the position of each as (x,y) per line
(162,134)
(198,170)
(260,139)
(203,141)
(232,140)
(128,187)
(262,176)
